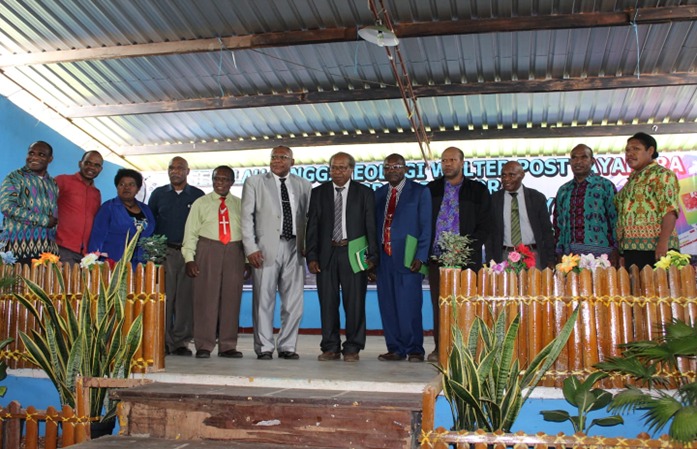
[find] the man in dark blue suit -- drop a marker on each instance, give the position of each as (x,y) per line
(403,218)
(341,212)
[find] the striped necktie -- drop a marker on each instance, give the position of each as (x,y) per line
(516,237)
(337,234)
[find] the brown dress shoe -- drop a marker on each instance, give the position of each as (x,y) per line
(433,357)
(328,355)
(351,357)
(415,358)
(390,357)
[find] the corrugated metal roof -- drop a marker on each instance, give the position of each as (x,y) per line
(496,67)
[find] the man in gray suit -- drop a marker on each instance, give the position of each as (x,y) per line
(274,209)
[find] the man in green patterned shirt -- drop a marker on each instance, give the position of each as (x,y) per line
(29,204)
(647,205)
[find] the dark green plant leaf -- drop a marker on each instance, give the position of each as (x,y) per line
(629,400)
(555,415)
(608,421)
(601,399)
(684,425)
(660,410)
(570,387)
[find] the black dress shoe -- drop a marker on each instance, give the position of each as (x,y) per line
(265,356)
(288,355)
(230,354)
(182,350)
(390,357)
(416,357)
(203,354)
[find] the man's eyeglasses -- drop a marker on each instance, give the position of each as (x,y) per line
(280,157)
(392,167)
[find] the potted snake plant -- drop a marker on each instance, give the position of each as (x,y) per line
(91,342)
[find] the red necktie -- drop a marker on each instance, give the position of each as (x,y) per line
(223,222)
(386,231)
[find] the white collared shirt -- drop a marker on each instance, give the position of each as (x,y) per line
(344,195)
(291,196)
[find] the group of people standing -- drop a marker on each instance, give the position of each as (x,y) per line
(343,231)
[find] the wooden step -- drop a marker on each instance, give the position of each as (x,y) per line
(294,417)
(126,442)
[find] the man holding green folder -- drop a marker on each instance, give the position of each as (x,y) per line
(403,219)
(341,245)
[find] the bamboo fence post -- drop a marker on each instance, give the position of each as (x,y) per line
(31,432)
(536,315)
(523,310)
(68,426)
(603,312)
(12,436)
(587,321)
(448,293)
(151,338)
(665,314)
(82,409)
(648,288)
(161,313)
(52,416)
(548,320)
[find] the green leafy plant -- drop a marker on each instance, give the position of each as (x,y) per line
(3,366)
(154,248)
(647,362)
(586,399)
(484,382)
(90,342)
(454,249)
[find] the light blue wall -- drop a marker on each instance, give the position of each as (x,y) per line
(18,130)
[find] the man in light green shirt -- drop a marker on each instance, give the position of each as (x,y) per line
(212,250)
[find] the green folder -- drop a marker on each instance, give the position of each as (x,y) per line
(410,246)
(357,252)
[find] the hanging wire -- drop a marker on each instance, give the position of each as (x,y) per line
(220,66)
(322,70)
(633,23)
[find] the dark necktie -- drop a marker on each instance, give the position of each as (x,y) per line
(287,231)
(337,234)
(516,237)
(387,226)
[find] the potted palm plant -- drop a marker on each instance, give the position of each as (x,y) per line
(647,362)
(91,342)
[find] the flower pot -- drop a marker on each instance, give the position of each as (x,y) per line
(102,428)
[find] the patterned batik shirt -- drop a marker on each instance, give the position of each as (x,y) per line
(648,196)
(585,216)
(27,202)
(449,214)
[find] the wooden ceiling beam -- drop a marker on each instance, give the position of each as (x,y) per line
(403,30)
(436,136)
(387,93)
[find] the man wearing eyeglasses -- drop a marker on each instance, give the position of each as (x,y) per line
(78,203)
(274,213)
(403,219)
(461,206)
(342,212)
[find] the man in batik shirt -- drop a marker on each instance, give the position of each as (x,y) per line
(461,206)
(29,204)
(584,212)
(647,205)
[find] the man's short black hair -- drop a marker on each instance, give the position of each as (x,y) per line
(648,142)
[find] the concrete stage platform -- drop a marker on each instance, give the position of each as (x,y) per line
(368,374)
